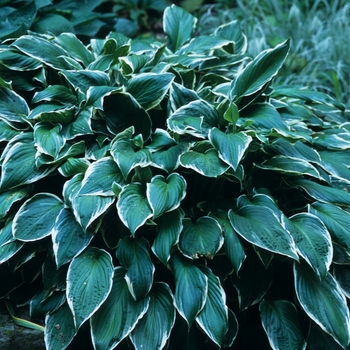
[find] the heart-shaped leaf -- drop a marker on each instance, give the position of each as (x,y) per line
(47,138)
(202,238)
(231,147)
(208,164)
(89,281)
(99,178)
(165,195)
(128,157)
(133,207)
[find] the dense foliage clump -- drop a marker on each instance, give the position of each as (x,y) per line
(168,195)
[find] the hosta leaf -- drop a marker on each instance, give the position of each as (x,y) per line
(280,321)
(84,79)
(87,209)
(195,118)
(259,226)
(36,217)
(129,113)
(336,163)
(53,113)
(68,237)
(169,227)
(191,287)
(8,245)
(322,193)
(47,138)
(339,141)
(178,25)
(169,159)
(13,107)
(81,125)
(260,71)
(232,31)
(6,132)
(9,197)
(202,238)
(263,116)
(73,166)
(149,89)
(158,320)
(289,165)
(165,194)
(43,50)
(213,319)
(318,339)
(233,246)
(56,93)
(208,164)
(336,220)
(134,255)
(75,47)
(89,281)
(18,166)
(312,241)
(324,302)
(41,304)
(117,316)
(133,207)
(205,43)
(59,329)
(99,178)
(297,150)
(128,157)
(231,147)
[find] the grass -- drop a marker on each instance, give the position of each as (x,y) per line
(319,32)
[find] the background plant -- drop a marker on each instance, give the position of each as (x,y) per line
(320,51)
(90,19)
(170,189)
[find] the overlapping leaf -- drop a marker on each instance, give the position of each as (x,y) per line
(324,302)
(279,319)
(191,287)
(134,255)
(158,320)
(259,226)
(118,315)
(89,281)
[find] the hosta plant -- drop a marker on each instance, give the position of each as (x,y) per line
(167,195)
